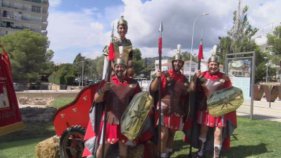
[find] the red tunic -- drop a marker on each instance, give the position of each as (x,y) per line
(203,116)
(113,132)
(173,119)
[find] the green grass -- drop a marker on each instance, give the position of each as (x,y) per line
(59,102)
(256,139)
(22,144)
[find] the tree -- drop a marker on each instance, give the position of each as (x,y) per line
(98,67)
(274,40)
(64,74)
(92,67)
(138,62)
(274,51)
(29,56)
(239,39)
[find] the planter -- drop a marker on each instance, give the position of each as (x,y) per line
(271,92)
(258,92)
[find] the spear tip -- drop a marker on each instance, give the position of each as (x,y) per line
(161,27)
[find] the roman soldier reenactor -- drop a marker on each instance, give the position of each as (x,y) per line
(174,102)
(123,46)
(219,127)
(116,95)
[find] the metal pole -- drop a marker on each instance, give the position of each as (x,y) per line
(82,73)
(252,85)
(191,49)
(266,78)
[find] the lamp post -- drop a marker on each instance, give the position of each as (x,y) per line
(268,63)
(266,78)
(191,49)
(82,72)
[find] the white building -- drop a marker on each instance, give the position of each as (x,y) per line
(194,67)
(166,65)
(17,15)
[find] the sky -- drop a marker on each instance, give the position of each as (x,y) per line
(85,26)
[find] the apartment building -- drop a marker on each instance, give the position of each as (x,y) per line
(16,15)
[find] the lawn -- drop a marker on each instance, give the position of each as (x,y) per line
(255,139)
(22,144)
(61,101)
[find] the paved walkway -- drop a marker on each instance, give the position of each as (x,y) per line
(262,111)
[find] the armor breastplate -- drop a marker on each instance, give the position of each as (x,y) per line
(214,85)
(175,90)
(118,99)
(127,48)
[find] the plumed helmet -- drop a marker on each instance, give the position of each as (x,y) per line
(214,58)
(119,61)
(178,55)
(122,21)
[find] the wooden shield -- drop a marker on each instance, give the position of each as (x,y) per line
(132,120)
(224,101)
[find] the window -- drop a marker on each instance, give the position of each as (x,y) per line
(36,9)
(5,13)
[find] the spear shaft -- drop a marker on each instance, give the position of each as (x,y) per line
(159,86)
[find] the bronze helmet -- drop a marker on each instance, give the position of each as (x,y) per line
(122,21)
(214,58)
(178,55)
(119,61)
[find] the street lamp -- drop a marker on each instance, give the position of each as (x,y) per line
(82,72)
(191,50)
(268,64)
(266,78)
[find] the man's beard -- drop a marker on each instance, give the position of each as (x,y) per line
(213,71)
(120,74)
(177,68)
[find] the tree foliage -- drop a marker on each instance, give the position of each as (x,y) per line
(138,63)
(63,74)
(240,39)
(274,40)
(29,56)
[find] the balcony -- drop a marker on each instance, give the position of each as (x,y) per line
(38,1)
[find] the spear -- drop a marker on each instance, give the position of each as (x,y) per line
(200,54)
(111,56)
(193,96)
(159,85)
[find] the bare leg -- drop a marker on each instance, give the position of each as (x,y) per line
(170,141)
(164,139)
(203,136)
(123,148)
(217,141)
(100,148)
(204,131)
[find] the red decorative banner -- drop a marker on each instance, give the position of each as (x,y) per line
(10,117)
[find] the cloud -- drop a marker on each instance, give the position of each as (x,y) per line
(84,31)
(265,15)
(71,33)
(178,18)
(88,30)
(54,3)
